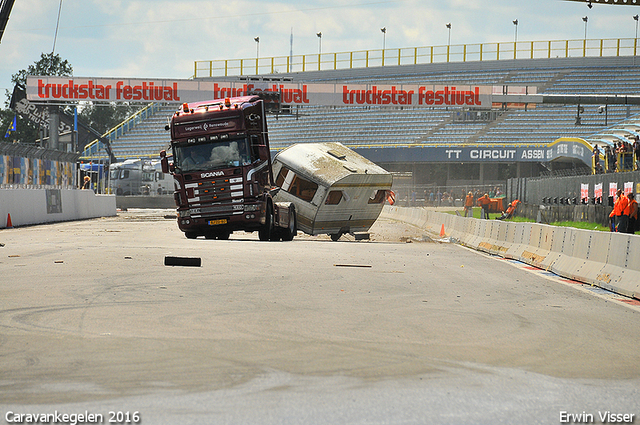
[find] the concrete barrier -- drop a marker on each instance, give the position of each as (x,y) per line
(608,260)
(557,248)
(621,271)
(537,249)
(469,232)
(521,240)
(146,201)
(37,206)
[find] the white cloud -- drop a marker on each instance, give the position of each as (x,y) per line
(150,38)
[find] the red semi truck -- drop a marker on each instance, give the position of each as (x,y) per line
(222,170)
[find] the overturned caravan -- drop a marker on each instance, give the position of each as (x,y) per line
(334,189)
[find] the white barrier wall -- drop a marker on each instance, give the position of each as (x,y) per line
(36,206)
(608,260)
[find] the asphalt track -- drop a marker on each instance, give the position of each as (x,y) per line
(395,330)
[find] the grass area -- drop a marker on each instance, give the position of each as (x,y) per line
(575,224)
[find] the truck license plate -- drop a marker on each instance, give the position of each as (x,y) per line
(217,222)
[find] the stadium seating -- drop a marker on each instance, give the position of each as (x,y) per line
(401,127)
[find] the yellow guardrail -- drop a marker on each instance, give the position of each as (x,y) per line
(418,55)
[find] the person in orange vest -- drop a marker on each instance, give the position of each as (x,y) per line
(621,220)
(484,202)
(510,210)
(632,212)
(468,205)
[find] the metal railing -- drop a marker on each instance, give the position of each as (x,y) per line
(94,148)
(418,55)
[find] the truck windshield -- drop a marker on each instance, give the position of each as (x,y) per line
(212,155)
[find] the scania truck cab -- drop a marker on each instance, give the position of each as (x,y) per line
(222,171)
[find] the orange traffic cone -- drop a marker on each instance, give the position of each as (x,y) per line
(9,224)
(442,231)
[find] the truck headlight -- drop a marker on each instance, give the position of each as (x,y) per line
(251,207)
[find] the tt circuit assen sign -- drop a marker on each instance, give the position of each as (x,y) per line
(561,148)
(65,89)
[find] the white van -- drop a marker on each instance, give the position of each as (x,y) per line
(139,177)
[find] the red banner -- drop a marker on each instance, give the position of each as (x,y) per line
(66,89)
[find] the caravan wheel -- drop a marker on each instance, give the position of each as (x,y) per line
(289,233)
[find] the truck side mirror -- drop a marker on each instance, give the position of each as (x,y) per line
(263,152)
(164,162)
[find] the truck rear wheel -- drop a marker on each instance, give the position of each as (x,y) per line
(265,232)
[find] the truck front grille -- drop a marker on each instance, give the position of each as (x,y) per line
(216,198)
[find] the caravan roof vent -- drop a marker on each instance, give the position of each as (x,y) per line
(337,154)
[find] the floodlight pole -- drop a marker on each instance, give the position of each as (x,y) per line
(448,25)
(515,40)
(257,40)
(384,42)
(319,50)
(635,42)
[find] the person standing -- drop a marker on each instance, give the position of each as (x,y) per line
(619,208)
(610,158)
(484,202)
(636,152)
(632,213)
(468,205)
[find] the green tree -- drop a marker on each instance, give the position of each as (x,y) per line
(50,65)
(103,118)
(97,116)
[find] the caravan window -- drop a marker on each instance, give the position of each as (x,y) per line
(377,197)
(296,185)
(281,176)
(334,197)
(303,189)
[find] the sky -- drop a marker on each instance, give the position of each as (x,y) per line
(162,39)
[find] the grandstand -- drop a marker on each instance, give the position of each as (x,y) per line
(402,139)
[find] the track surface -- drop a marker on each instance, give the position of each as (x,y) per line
(392,330)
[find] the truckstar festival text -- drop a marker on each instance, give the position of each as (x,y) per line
(123,90)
